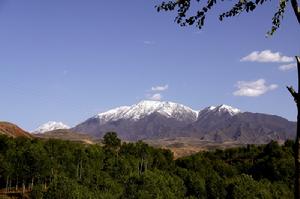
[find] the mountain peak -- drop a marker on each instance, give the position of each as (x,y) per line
(113,114)
(211,108)
(50,126)
(166,108)
(226,108)
(147,107)
(219,110)
(155,103)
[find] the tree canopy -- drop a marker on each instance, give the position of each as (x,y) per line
(64,169)
(186,15)
(111,140)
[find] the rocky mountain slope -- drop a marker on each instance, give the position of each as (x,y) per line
(250,128)
(158,120)
(139,121)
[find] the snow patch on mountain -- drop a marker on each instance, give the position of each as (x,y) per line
(219,110)
(229,109)
(114,114)
(147,107)
(50,126)
(165,108)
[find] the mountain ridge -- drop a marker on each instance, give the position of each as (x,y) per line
(156,120)
(144,108)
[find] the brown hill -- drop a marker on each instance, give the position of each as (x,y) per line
(65,134)
(13,130)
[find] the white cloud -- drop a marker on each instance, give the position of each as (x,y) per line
(253,88)
(267,56)
(156,97)
(160,88)
(286,67)
(155,92)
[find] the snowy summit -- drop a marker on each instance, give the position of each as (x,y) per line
(220,110)
(168,109)
(225,108)
(50,126)
(147,107)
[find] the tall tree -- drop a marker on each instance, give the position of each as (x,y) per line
(111,140)
(183,18)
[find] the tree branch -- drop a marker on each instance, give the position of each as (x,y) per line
(296,95)
(292,91)
(296,9)
(298,60)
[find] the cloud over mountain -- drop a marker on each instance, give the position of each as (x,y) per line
(253,88)
(156,97)
(267,56)
(156,92)
(160,88)
(286,67)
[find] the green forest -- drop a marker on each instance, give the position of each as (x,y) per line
(64,169)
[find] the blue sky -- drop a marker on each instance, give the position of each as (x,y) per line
(66,60)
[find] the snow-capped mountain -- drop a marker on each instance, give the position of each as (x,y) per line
(157,119)
(50,126)
(221,110)
(113,115)
(226,109)
(144,119)
(145,108)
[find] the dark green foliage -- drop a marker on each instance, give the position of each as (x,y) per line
(111,140)
(244,186)
(63,169)
(185,18)
(154,184)
(37,192)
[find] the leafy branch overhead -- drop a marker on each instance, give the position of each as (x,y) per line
(198,19)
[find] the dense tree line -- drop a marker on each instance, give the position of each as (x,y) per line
(64,169)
